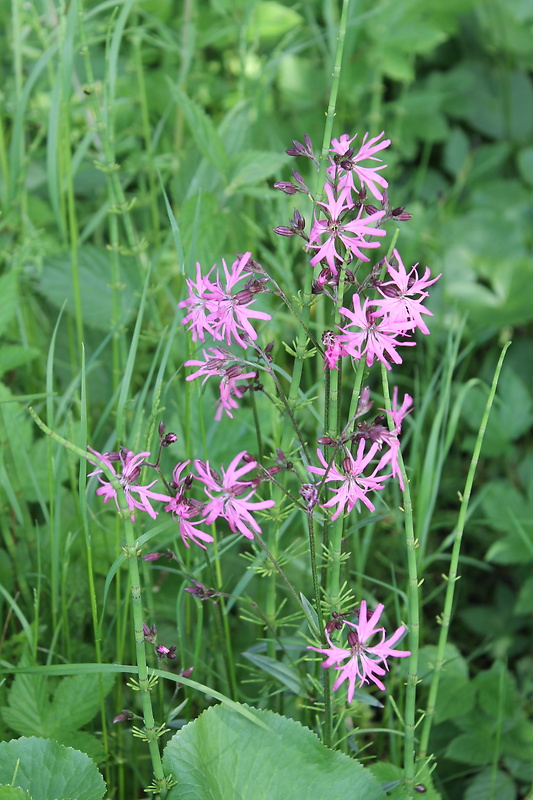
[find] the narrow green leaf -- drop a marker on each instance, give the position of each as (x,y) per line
(278,670)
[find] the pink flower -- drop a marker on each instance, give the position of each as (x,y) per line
(391,455)
(354,487)
(400,303)
(228,501)
(334,349)
(376,338)
(202,304)
(219,364)
(131,469)
(184,508)
(219,311)
(350,234)
(364,660)
(368,176)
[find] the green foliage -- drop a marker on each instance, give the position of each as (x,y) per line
(45,769)
(33,709)
(221,754)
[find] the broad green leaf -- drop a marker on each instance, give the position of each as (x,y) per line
(14,355)
(49,771)
(13,793)
(524,602)
(28,711)
(95,280)
(490,783)
(524,159)
(271,20)
(222,755)
(472,748)
(77,700)
(253,167)
(497,692)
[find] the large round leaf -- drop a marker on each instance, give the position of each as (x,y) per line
(223,754)
(46,770)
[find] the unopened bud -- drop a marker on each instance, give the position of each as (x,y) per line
(287,187)
(327,440)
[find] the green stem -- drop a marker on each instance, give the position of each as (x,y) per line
(454,565)
(413,602)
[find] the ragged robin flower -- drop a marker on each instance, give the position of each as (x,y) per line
(364,661)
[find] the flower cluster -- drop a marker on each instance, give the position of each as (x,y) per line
(219,311)
(352,486)
(363,662)
(376,327)
(228,497)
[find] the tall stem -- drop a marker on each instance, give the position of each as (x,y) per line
(413,603)
(454,564)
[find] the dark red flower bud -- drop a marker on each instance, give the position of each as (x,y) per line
(287,187)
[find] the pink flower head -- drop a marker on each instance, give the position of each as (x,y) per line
(401,303)
(219,364)
(354,487)
(131,469)
(334,349)
(365,662)
(391,455)
(183,509)
(202,304)
(368,176)
(376,338)
(229,496)
(221,312)
(350,234)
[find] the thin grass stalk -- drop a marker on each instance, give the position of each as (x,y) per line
(454,564)
(413,605)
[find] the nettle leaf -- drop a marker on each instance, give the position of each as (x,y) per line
(509,511)
(75,703)
(473,748)
(491,784)
(497,691)
(29,710)
(50,771)
(222,754)
(95,280)
(77,699)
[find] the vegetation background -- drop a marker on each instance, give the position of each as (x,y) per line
(139,137)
